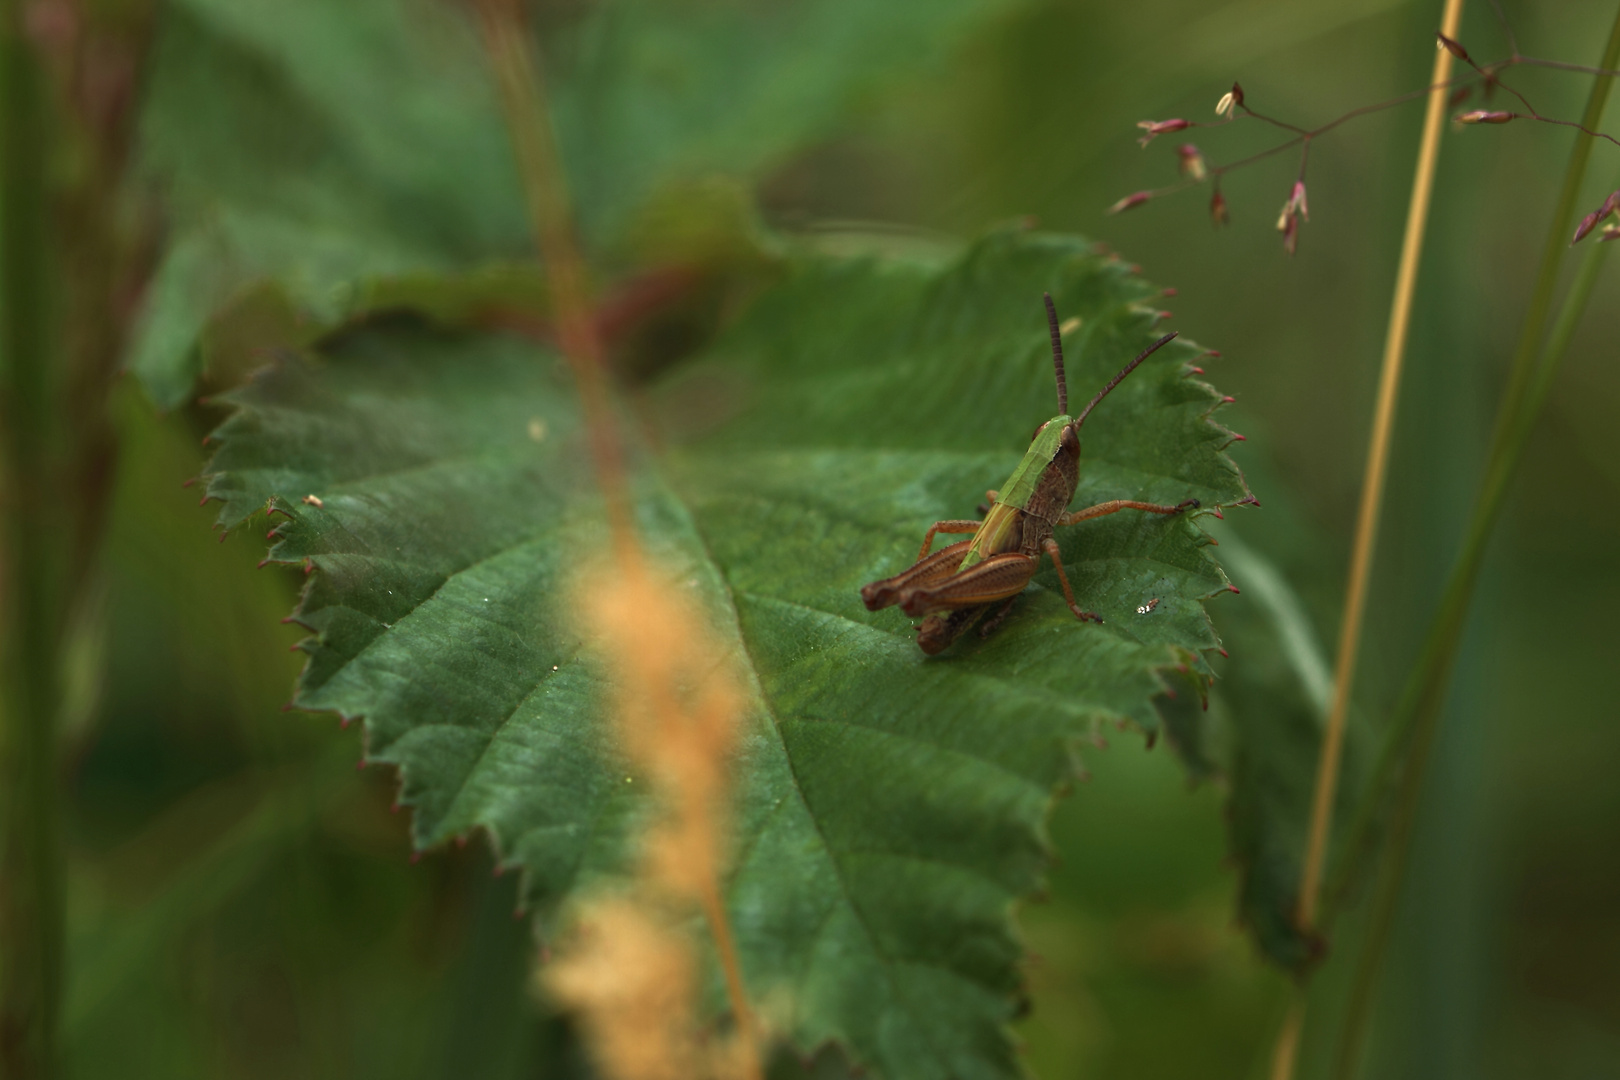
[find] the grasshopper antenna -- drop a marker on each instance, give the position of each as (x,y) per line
(1130,367)
(1057,356)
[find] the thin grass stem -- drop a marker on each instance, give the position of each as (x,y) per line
(1415,723)
(545,189)
(31,891)
(1286,1049)
(1372,500)
(1372,489)
(714,912)
(528,117)
(1506,445)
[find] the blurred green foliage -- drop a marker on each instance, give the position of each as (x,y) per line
(242,901)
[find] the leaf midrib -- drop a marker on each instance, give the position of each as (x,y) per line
(886,961)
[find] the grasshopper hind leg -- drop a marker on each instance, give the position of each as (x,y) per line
(930,569)
(937,632)
(998,618)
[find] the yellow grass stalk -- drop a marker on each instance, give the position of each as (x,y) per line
(1372,500)
(630,973)
(1372,488)
(677,702)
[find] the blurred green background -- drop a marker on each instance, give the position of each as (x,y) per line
(242,901)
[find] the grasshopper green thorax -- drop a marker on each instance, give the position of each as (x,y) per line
(1050,438)
(953,588)
(1015,494)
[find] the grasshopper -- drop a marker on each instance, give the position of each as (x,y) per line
(954,587)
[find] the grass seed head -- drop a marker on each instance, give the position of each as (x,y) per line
(629,978)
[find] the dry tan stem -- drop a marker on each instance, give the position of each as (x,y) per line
(1372,498)
(627,982)
(1372,490)
(545,189)
(1286,1050)
(678,710)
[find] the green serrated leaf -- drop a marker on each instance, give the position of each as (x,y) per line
(890,807)
(320,146)
(326,146)
(1275,693)
(650,93)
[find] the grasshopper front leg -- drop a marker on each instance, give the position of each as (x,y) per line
(1050,546)
(1114,506)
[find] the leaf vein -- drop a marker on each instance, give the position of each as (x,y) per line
(838,871)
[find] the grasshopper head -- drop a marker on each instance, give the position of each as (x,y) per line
(1051,425)
(1053,439)
(1062,430)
